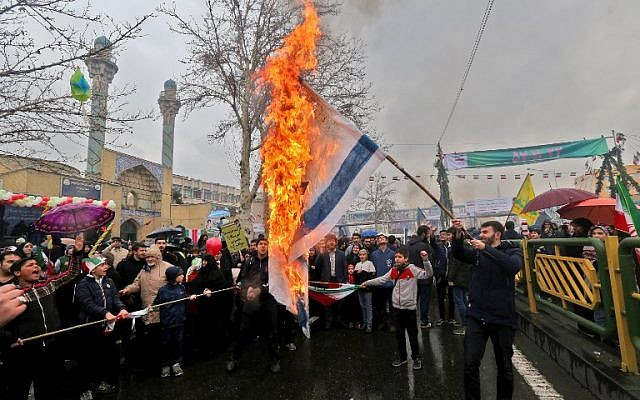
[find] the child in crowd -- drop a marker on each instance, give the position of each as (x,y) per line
(365,270)
(405,292)
(172,318)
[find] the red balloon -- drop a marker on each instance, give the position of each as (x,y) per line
(214,245)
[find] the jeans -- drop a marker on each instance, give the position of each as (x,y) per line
(366,307)
(461,301)
(475,342)
(424,298)
(406,321)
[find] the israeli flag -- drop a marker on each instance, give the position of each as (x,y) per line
(343,159)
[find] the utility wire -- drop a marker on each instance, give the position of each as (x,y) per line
(476,44)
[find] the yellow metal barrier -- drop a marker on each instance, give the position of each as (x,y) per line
(570,279)
(629,359)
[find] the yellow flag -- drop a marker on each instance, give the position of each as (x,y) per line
(525,195)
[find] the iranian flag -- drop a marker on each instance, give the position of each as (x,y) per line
(627,216)
(327,293)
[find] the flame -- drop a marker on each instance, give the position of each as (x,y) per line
(285,151)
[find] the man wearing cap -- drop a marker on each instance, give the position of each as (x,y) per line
(383,259)
(115,248)
(41,316)
(98,299)
(150,279)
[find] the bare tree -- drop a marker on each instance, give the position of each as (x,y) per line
(230,43)
(41,41)
(378,197)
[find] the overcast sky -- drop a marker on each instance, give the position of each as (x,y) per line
(546,71)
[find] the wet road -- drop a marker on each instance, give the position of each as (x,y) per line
(345,364)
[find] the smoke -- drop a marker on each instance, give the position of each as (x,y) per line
(368,8)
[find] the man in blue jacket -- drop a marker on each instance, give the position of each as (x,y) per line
(491,313)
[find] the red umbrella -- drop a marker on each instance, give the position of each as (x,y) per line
(557,197)
(72,218)
(600,210)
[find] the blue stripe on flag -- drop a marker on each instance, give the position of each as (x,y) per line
(329,199)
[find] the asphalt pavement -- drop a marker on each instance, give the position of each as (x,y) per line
(345,364)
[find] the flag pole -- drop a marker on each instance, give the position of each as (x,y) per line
(421,186)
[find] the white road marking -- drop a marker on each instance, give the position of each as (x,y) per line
(538,383)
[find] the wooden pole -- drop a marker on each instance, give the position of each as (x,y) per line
(421,186)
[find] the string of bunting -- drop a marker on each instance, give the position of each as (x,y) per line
(23,200)
(494,176)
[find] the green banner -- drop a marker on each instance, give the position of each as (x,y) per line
(526,155)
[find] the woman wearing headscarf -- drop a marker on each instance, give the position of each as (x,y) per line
(212,318)
(589,252)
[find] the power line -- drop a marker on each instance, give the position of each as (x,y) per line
(476,44)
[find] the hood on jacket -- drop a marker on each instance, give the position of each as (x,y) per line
(172,274)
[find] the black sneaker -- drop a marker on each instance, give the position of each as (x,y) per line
(417,364)
(231,365)
(399,362)
(425,325)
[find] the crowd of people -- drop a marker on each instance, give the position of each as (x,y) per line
(186,302)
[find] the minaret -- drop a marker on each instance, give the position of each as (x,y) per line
(169,106)
(102,69)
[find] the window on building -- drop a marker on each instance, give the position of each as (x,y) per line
(216,196)
(186,192)
(207,194)
(197,193)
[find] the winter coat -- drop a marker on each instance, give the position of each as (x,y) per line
(128,269)
(96,300)
(147,283)
(492,287)
(405,281)
(440,257)
(459,272)
(415,246)
(41,315)
(383,261)
(254,273)
(173,314)
(511,234)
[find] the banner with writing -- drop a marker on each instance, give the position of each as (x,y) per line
(526,155)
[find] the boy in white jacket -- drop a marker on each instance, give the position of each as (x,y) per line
(404,298)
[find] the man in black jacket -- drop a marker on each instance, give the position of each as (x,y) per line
(127,271)
(491,313)
(333,268)
(98,299)
(259,307)
(41,316)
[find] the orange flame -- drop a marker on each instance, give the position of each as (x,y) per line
(285,151)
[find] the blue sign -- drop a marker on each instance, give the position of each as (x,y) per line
(77,188)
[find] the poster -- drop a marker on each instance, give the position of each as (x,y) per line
(234,236)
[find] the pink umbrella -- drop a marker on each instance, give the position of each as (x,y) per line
(557,197)
(73,218)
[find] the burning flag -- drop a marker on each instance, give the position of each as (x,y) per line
(314,164)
